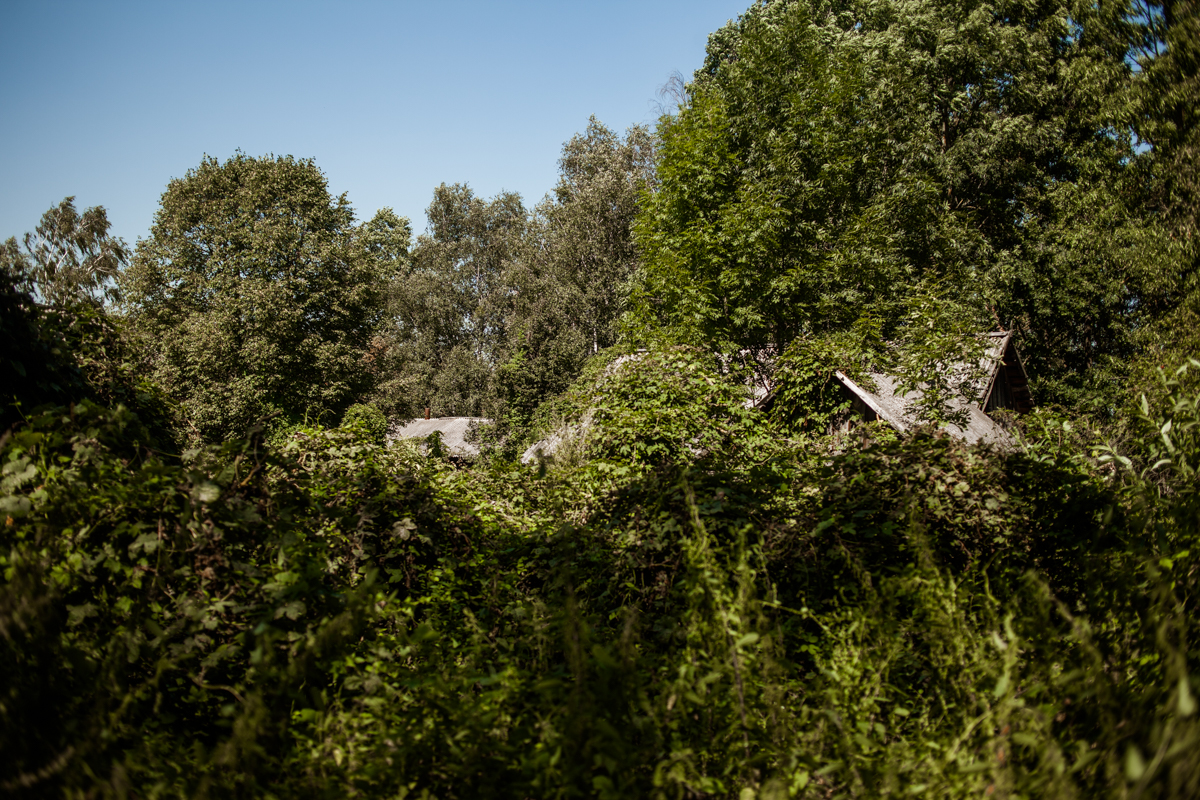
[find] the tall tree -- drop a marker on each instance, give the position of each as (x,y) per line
(70,256)
(1168,55)
(252,296)
(571,286)
(450,306)
(1161,111)
(763,177)
(385,242)
(833,159)
(60,341)
(588,226)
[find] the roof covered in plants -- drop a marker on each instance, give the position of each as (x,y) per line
(999,383)
(452,429)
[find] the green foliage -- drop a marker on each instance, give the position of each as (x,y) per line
(253,297)
(571,285)
(663,407)
(942,355)
(68,351)
(70,257)
(366,420)
(835,160)
(35,369)
(696,606)
(754,233)
(385,241)
(807,395)
(161,621)
(695,599)
(448,304)
(585,232)
(1164,105)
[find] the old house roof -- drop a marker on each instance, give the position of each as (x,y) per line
(453,430)
(552,444)
(1002,384)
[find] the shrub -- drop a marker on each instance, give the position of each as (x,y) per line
(366,420)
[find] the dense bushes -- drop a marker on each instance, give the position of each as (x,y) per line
(161,621)
(745,615)
(367,420)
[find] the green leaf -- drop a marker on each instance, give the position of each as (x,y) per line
(799,781)
(206,492)
(15,506)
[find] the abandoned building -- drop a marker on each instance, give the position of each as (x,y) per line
(1004,385)
(453,431)
(1001,385)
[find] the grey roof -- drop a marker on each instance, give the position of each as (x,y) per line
(550,445)
(453,429)
(894,408)
(886,402)
(889,404)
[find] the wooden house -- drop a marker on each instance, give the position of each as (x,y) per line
(1004,385)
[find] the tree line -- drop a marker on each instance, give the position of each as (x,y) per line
(258,299)
(864,173)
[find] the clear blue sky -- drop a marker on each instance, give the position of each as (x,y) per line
(109,101)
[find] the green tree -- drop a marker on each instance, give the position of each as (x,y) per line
(588,226)
(252,296)
(59,340)
(1163,113)
(34,370)
(69,256)
(832,158)
(763,176)
(385,240)
(450,307)
(1168,55)
(571,286)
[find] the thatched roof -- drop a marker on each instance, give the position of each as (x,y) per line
(453,430)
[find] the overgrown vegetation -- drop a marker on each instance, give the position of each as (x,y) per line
(209,587)
(725,609)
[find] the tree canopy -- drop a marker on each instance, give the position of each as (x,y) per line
(69,256)
(252,296)
(571,286)
(832,160)
(448,306)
